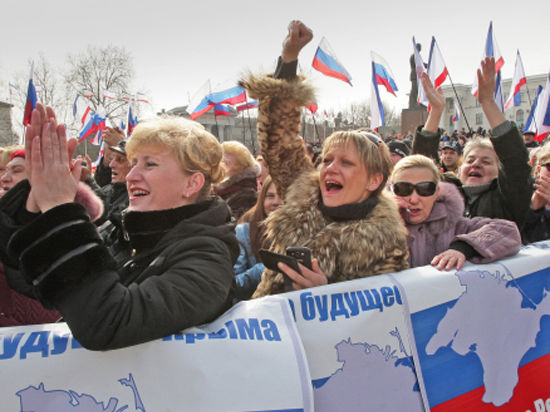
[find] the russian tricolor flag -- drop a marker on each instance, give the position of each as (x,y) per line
(232,95)
(492,50)
(132,120)
(221,110)
(30,104)
(199,104)
(326,62)
(382,73)
(518,80)
(248,105)
(94,125)
(456,117)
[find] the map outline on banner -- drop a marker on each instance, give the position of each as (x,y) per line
(474,364)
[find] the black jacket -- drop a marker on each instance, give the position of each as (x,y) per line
(178,274)
(537,226)
(508,196)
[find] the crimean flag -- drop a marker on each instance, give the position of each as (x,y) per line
(382,73)
(437,69)
(530,123)
(519,79)
(491,50)
(326,62)
(109,94)
(420,70)
(376,108)
(542,113)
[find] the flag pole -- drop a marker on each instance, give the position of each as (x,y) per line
(244,127)
(459,102)
(316,130)
(252,139)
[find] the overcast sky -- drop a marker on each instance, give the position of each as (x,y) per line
(177,45)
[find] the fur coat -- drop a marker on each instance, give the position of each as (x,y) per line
(345,249)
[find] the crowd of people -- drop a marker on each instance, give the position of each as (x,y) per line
(166,233)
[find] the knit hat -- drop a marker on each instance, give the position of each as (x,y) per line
(398,147)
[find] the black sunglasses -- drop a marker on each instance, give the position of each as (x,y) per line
(423,188)
(547,165)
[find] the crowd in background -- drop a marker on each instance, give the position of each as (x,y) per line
(166,233)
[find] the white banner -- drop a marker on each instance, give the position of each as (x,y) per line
(251,358)
(356,339)
(479,338)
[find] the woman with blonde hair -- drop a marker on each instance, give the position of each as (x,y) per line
(240,187)
(438,233)
(177,272)
(340,212)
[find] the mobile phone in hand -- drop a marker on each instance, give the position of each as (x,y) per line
(301,254)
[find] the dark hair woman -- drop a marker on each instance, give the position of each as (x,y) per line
(250,234)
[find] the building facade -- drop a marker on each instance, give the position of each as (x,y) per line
(471,114)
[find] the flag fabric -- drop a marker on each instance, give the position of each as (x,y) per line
(326,62)
(132,120)
(30,104)
(87,93)
(141,97)
(100,154)
(420,70)
(81,109)
(519,79)
(313,107)
(222,110)
(542,113)
(499,94)
(376,108)
(199,104)
(530,124)
(232,95)
(109,94)
(492,50)
(12,88)
(95,124)
(382,73)
(248,105)
(456,117)
(437,69)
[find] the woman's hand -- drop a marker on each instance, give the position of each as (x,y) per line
(308,278)
(449,259)
(52,180)
(486,81)
(298,36)
(541,196)
(86,171)
(437,103)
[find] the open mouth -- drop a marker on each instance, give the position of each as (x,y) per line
(333,186)
(139,192)
(474,174)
